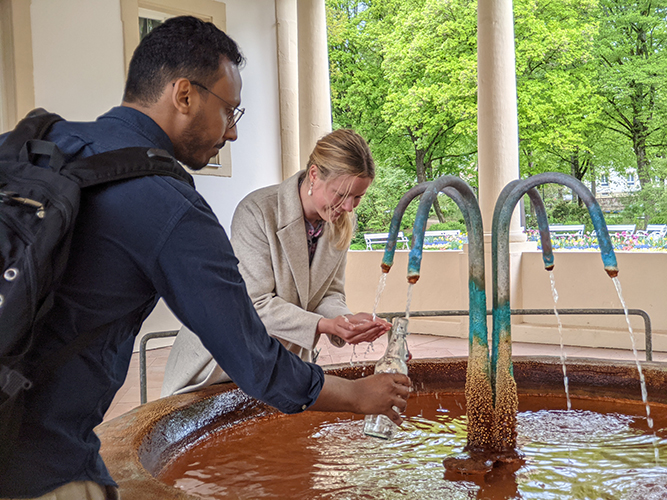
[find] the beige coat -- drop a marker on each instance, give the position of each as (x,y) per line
(269,239)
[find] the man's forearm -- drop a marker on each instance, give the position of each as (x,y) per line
(383,393)
(337,394)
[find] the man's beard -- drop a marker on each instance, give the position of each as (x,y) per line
(192,144)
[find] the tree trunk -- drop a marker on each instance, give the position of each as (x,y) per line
(420,167)
(639,147)
(575,170)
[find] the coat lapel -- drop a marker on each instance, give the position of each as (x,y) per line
(292,235)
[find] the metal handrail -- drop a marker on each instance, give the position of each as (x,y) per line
(142,358)
(535,312)
(463,312)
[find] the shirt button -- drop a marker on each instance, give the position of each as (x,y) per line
(304,407)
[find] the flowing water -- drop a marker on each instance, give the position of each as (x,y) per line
(381,284)
(642,381)
(409,301)
(563,356)
(378,293)
(601,450)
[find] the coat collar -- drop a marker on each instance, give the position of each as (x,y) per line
(292,235)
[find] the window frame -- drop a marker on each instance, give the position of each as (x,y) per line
(16,63)
(207,10)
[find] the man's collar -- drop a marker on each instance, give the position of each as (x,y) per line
(141,123)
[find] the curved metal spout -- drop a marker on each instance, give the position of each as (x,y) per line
(479,394)
(501,359)
(464,197)
(395,226)
(543,226)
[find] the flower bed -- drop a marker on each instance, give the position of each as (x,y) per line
(446,242)
(621,241)
(587,242)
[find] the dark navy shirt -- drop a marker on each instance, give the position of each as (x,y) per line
(136,241)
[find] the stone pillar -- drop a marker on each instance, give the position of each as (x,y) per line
(498,133)
(497,125)
(314,92)
(288,85)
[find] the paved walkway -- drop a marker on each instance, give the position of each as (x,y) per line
(421,346)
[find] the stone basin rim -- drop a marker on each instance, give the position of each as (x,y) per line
(138,444)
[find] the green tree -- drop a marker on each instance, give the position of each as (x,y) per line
(631,75)
(430,64)
(377,207)
(358,89)
(557,99)
(404,75)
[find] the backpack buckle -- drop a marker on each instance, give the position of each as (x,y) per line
(159,154)
(11,198)
(12,381)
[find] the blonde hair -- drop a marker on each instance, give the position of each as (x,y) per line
(342,152)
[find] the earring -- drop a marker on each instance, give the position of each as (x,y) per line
(310,191)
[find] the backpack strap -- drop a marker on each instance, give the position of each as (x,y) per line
(34,126)
(96,170)
(122,164)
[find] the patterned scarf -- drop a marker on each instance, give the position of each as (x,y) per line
(312,234)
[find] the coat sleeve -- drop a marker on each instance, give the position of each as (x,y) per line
(283,319)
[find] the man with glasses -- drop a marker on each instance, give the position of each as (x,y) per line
(151,237)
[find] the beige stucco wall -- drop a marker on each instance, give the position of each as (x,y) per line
(580,281)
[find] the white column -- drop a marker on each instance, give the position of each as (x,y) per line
(288,84)
(314,92)
(497,124)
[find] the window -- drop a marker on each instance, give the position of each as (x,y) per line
(631,179)
(604,180)
(149,19)
(140,17)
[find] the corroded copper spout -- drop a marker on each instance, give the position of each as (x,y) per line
(395,226)
(413,279)
(501,358)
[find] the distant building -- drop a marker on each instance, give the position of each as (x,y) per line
(611,189)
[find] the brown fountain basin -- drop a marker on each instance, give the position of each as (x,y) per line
(138,445)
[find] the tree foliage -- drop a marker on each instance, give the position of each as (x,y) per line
(591,87)
(632,61)
(557,100)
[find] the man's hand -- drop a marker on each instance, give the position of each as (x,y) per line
(353,329)
(373,395)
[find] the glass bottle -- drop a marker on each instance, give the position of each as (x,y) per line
(394,361)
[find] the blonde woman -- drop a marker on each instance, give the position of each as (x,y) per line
(291,240)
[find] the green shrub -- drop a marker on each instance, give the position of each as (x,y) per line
(358,239)
(448,226)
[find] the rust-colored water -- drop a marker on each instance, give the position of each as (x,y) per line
(599,450)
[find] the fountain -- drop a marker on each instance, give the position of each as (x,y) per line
(494,404)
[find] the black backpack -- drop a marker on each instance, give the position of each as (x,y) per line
(38,208)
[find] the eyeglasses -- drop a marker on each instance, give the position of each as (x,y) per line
(233,115)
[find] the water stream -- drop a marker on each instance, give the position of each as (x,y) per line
(381,284)
(409,300)
(642,380)
(378,294)
(563,355)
